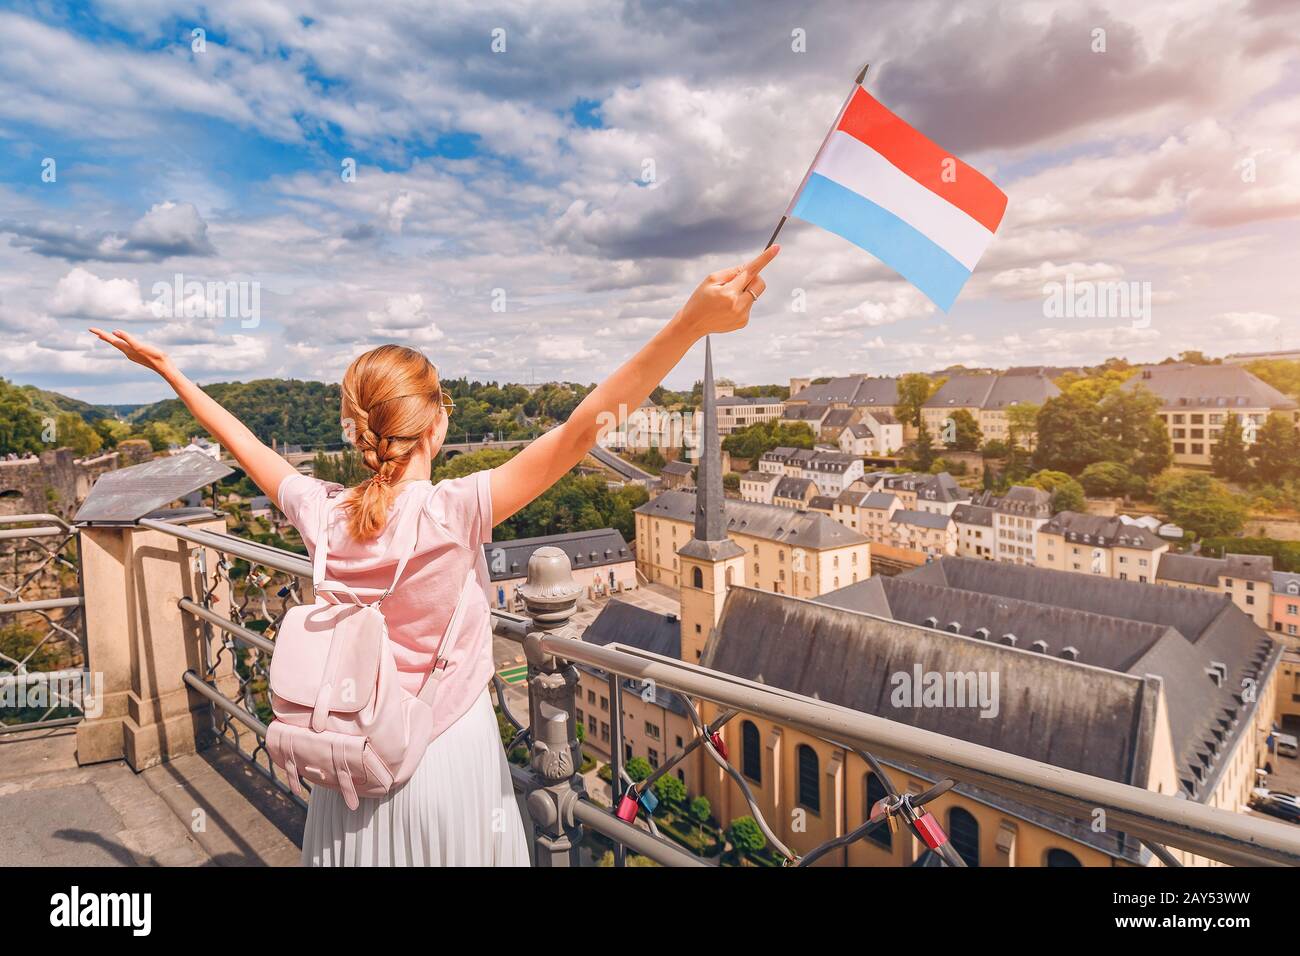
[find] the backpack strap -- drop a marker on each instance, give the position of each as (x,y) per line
(439,667)
(320,581)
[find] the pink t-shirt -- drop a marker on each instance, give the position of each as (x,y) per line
(454,521)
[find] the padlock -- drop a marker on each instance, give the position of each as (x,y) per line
(627,807)
(719,744)
(648,801)
(881,809)
(930,831)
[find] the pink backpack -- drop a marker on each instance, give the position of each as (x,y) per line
(342,719)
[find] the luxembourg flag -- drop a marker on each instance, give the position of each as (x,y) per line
(883,186)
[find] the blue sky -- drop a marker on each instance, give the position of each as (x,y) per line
(539,186)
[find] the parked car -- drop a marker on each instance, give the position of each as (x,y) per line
(1275,803)
(1286,745)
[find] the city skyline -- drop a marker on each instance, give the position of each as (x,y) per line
(587,174)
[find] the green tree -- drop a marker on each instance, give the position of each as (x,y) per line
(753,441)
(700,810)
(1067,494)
(746,835)
(923,450)
(347,467)
(161,435)
(670,791)
(966,431)
(1277,450)
(1200,503)
(914,390)
(1230,458)
(74,433)
(20,426)
(111,431)
(638,768)
(1105,478)
(1069,434)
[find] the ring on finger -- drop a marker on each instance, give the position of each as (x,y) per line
(753,293)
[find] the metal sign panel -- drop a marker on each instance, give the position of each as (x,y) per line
(127,494)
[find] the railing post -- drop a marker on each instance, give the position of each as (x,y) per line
(551,596)
(140,644)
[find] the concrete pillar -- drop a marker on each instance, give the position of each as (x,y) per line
(139,644)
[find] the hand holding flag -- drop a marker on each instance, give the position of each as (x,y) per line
(885,187)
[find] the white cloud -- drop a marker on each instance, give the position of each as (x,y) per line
(83,295)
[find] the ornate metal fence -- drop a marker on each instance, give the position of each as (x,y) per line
(43,667)
(556,799)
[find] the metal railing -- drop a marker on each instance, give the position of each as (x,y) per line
(557,800)
(43,668)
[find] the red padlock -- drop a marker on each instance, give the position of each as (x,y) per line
(627,807)
(930,830)
(719,744)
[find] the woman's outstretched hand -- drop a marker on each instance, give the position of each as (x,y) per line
(150,356)
(723,300)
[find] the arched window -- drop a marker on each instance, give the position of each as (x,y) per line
(1062,858)
(810,794)
(875,792)
(964,833)
(697,578)
(729,575)
(751,752)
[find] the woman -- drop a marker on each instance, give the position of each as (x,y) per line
(459,807)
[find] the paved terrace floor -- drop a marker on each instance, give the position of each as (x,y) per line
(55,813)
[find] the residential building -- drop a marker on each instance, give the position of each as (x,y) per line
(677,474)
(601,559)
(1286,603)
(987,397)
(1017,516)
(833,425)
(847,391)
(793,492)
(758,486)
(933,535)
(1093,544)
(1112,678)
(653,426)
(1196,401)
(810,415)
(975,537)
(831,471)
(876,434)
(940,494)
(735,413)
(1246,578)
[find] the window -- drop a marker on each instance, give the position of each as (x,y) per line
(697,578)
(809,779)
(876,792)
(604,731)
(652,755)
(964,832)
(652,730)
(751,752)
(591,696)
(1057,857)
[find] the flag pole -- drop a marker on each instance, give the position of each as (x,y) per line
(862,75)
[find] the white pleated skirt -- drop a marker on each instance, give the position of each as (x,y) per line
(458,809)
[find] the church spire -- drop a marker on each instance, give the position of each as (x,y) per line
(710,514)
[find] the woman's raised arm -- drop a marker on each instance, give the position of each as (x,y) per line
(720,304)
(260,463)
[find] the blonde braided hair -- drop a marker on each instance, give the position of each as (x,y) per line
(391,398)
